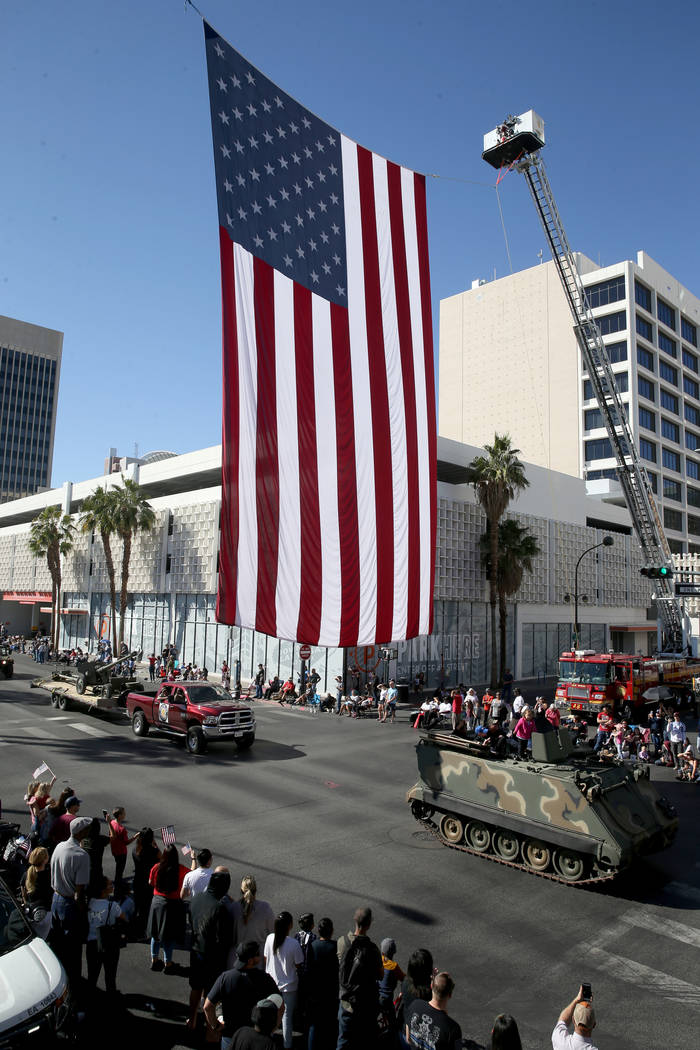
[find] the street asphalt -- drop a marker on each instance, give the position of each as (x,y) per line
(316,810)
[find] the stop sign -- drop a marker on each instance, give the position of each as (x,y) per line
(305,652)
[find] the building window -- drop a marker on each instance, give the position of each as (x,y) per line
(669,401)
(693,525)
(670,430)
(642,296)
(647,419)
(692,441)
(645,358)
(671,460)
(647,450)
(596,475)
(606,292)
(673,490)
(692,496)
(622,382)
(612,323)
(617,352)
(645,388)
(689,331)
(653,481)
(690,360)
(668,372)
(673,519)
(666,314)
(592,418)
(692,469)
(644,329)
(691,387)
(676,546)
(693,548)
(598,449)
(670,346)
(692,415)
(587,390)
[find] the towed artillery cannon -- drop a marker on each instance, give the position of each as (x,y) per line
(561,814)
(103,680)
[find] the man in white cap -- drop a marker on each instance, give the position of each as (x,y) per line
(70,875)
(581,1014)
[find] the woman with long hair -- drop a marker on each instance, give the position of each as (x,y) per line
(144,855)
(254,919)
(36,884)
(505,1034)
(417,982)
(166,922)
(284,958)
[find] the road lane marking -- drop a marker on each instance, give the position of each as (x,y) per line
(38,731)
(59,718)
(645,919)
(624,969)
(90,730)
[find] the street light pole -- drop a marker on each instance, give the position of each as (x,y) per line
(607,541)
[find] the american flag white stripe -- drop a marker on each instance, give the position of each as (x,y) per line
(364,463)
(409,218)
(167,835)
(246,594)
(397,422)
(289,561)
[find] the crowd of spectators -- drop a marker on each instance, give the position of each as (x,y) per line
(251,970)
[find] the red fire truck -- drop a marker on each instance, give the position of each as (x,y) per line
(589,680)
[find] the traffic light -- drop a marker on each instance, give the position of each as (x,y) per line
(663,572)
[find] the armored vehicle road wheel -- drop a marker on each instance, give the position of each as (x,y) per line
(195,741)
(478,836)
(452,828)
(139,724)
(507,844)
(537,855)
(80,684)
(570,865)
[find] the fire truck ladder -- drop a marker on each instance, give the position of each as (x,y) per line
(633,477)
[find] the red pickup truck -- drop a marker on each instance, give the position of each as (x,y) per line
(198,711)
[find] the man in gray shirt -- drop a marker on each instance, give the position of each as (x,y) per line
(70,875)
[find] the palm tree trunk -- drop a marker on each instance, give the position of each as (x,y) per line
(502,621)
(493,538)
(126,557)
(53,606)
(104,536)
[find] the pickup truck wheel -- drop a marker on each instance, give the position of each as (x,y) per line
(195,741)
(80,684)
(246,742)
(139,724)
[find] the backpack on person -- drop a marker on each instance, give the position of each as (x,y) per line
(358,971)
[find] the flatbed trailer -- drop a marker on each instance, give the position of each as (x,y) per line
(64,695)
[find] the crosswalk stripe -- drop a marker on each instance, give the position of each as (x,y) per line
(37,731)
(90,730)
(645,919)
(624,969)
(59,718)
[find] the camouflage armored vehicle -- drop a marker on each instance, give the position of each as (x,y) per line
(561,813)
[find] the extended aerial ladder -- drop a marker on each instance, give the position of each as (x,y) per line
(516,144)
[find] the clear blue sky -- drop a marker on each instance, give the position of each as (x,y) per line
(108,226)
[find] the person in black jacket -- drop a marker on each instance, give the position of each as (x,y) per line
(360,971)
(212,937)
(322,985)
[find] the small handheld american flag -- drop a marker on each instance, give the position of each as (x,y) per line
(167,835)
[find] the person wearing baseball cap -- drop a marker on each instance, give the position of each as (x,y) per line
(60,829)
(238,990)
(581,1014)
(70,875)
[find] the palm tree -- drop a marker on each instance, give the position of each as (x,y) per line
(517,548)
(98,515)
(51,536)
(132,514)
(497,477)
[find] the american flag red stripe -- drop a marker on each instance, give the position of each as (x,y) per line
(167,835)
(329,446)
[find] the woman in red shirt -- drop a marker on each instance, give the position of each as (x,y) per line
(166,922)
(118,842)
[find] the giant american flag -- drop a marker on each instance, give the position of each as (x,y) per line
(329,443)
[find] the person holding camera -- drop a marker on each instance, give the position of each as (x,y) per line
(580,1013)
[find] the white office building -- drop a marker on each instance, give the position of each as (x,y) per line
(173,578)
(509,362)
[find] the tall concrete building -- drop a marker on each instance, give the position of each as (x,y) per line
(509,362)
(30,365)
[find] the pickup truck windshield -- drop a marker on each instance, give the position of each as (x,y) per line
(13,928)
(208,694)
(585,673)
